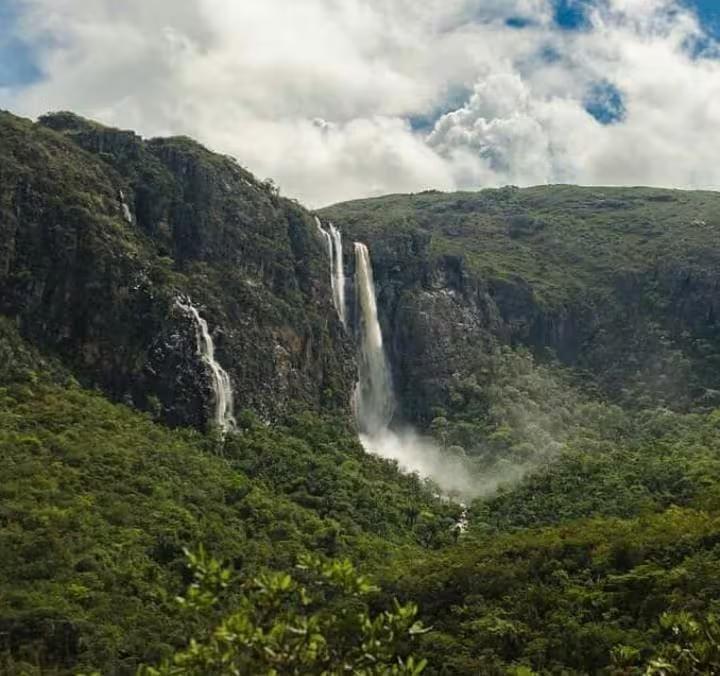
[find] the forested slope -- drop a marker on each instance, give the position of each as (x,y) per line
(559,343)
(621,283)
(97,503)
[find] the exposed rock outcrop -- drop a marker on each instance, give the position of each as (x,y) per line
(621,283)
(98,289)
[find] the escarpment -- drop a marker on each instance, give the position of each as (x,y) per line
(103,231)
(621,284)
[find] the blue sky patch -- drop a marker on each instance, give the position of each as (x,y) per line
(708,45)
(605,103)
(518,22)
(708,12)
(18,66)
(570,14)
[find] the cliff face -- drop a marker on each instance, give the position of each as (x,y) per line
(621,284)
(102,232)
(434,323)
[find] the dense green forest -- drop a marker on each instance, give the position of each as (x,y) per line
(573,567)
(560,344)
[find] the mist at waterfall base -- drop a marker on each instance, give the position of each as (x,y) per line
(375,402)
(420,454)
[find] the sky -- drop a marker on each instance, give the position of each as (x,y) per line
(342,99)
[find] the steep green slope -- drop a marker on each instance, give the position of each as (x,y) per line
(621,282)
(102,232)
(97,503)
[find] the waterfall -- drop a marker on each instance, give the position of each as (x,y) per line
(329,244)
(333,242)
(374,399)
(339,272)
(220,380)
(127,215)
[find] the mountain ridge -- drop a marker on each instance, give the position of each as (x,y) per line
(181,220)
(559,346)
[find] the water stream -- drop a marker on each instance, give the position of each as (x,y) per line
(219,379)
(333,242)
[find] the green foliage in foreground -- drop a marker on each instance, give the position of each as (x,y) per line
(692,647)
(97,503)
(567,599)
(604,559)
(316,622)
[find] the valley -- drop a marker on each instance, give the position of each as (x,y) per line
(500,409)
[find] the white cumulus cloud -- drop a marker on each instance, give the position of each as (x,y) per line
(320,94)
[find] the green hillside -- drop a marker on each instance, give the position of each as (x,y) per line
(98,503)
(562,240)
(619,283)
(560,345)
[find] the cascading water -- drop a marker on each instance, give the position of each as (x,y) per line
(339,272)
(220,380)
(333,242)
(329,244)
(374,399)
(127,215)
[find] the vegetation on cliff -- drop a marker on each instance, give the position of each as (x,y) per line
(563,342)
(98,502)
(618,283)
(102,232)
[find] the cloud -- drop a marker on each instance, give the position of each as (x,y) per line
(545,124)
(319,94)
(496,135)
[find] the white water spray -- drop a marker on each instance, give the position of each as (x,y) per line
(339,272)
(375,401)
(220,380)
(127,215)
(333,242)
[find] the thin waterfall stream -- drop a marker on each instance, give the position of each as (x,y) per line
(339,273)
(223,415)
(333,242)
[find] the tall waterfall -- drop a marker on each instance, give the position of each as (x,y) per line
(375,401)
(220,380)
(338,272)
(333,242)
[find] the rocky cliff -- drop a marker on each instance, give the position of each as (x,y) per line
(102,231)
(621,284)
